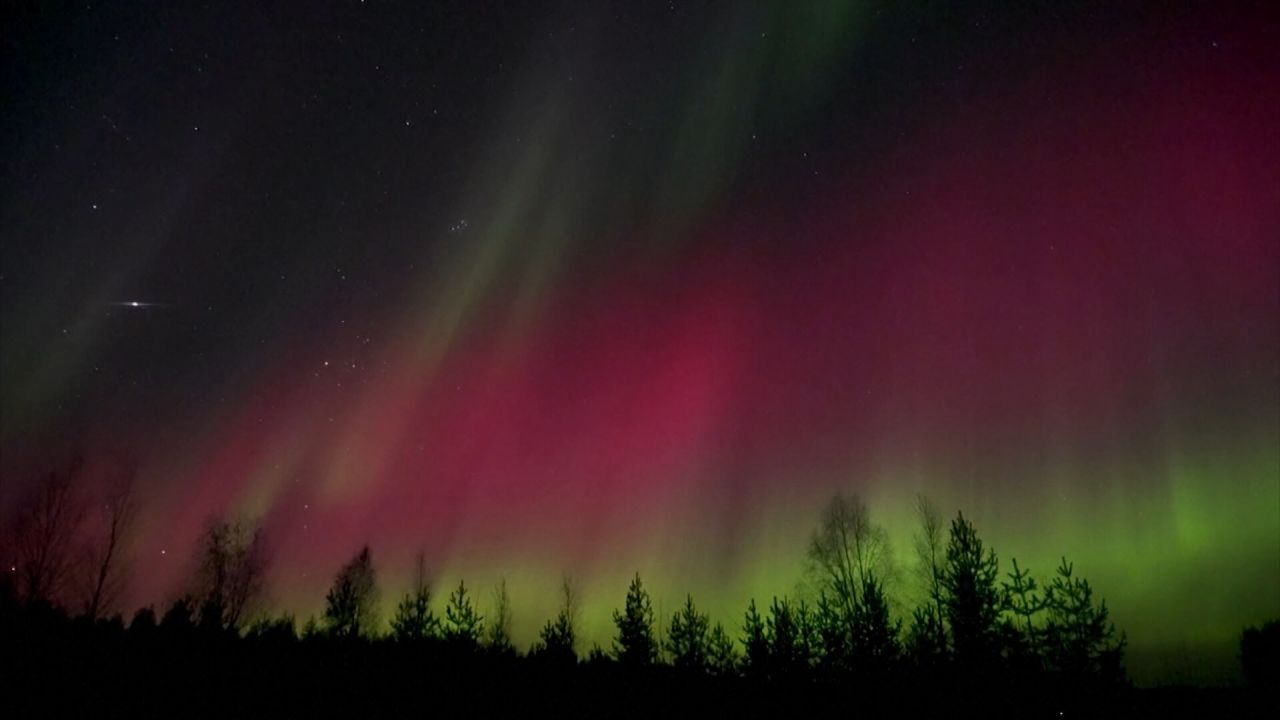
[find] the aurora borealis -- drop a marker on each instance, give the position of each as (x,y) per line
(588,290)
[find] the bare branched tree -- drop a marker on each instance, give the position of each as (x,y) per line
(498,633)
(232,572)
(848,552)
(45,533)
(570,600)
(931,557)
(104,570)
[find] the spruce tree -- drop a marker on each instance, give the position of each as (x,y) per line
(834,641)
(462,624)
(925,645)
(972,598)
(1024,602)
(788,640)
(755,642)
(556,641)
(1080,640)
(722,653)
(875,636)
(352,602)
(635,644)
(687,639)
(414,621)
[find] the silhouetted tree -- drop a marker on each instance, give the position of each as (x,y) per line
(498,632)
(846,551)
(926,639)
(971,596)
(755,642)
(143,622)
(834,642)
(687,641)
(930,552)
(351,605)
(875,636)
(1025,602)
(43,535)
(852,644)
(414,620)
(463,626)
(849,557)
(722,653)
(311,629)
(557,640)
(180,616)
(1260,654)
(104,567)
(232,572)
(1079,639)
(635,644)
(788,635)
(280,631)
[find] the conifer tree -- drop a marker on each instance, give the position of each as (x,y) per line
(687,640)
(556,641)
(722,653)
(463,626)
(788,639)
(925,643)
(558,638)
(755,642)
(635,644)
(834,640)
(972,598)
(352,603)
(1024,602)
(414,620)
(1080,640)
(875,636)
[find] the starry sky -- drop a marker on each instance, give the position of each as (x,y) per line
(593,287)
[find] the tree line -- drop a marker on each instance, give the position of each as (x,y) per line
(973,618)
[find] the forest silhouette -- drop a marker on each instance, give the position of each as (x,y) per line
(984,639)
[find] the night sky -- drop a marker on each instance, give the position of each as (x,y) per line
(591,288)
